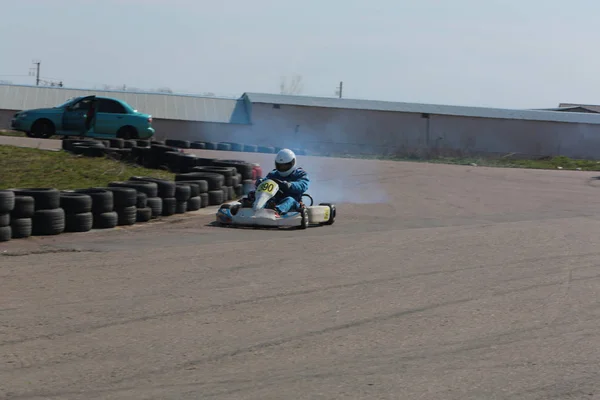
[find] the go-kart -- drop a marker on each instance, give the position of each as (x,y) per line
(255,210)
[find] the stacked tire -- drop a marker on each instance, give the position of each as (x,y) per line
(78,211)
(215,194)
(165,192)
(7,205)
(198,193)
(21,217)
(146,192)
(103,214)
(48,217)
(124,204)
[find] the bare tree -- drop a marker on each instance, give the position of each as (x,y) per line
(293,87)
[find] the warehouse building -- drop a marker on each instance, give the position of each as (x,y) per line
(331,125)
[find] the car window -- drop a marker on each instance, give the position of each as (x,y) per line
(110,106)
(82,105)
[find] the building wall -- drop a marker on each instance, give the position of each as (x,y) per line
(5,117)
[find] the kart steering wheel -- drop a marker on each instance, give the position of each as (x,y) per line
(310,197)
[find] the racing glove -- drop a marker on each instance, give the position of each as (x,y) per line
(284,186)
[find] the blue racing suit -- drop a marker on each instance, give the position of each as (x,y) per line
(299,185)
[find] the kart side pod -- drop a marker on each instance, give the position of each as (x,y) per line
(232,213)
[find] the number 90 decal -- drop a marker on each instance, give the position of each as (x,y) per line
(267,187)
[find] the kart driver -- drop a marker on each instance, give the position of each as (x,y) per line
(292,180)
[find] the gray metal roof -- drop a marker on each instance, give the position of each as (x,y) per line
(477,112)
(159,105)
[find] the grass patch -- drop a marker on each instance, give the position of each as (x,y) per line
(22,167)
(4,132)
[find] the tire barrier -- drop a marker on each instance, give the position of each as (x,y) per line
(198,183)
(228,146)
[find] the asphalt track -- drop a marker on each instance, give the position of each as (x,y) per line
(435,282)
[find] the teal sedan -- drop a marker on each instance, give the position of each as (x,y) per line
(90,116)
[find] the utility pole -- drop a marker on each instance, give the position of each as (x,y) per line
(37,71)
(339,90)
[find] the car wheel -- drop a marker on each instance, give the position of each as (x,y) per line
(126,133)
(42,129)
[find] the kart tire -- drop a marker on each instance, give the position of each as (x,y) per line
(21,228)
(142,200)
(7,201)
(304,220)
(48,222)
(150,189)
(181,207)
(182,192)
(102,200)
(44,198)
(24,207)
(194,203)
(127,215)
(4,220)
(216,197)
(122,196)
(166,188)
(79,222)
(5,233)
(143,214)
(75,203)
(196,187)
(156,205)
(204,197)
(169,206)
(105,220)
(332,214)
(215,181)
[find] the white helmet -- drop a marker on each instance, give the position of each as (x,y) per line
(285,162)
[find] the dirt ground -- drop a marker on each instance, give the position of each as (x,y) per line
(435,282)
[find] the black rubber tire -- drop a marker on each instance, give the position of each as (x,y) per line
(142,200)
(243,168)
(197,145)
(116,143)
(231,194)
(215,181)
(123,196)
(223,146)
(45,198)
(225,190)
(201,185)
(7,201)
(156,205)
(4,219)
(88,151)
(126,215)
(169,206)
(143,214)
(250,148)
(106,220)
(75,203)
(166,188)
(236,179)
(5,233)
(142,143)
(216,197)
(24,207)
(194,188)
(68,144)
(210,145)
(48,222)
(182,192)
(181,207)
(204,200)
(21,228)
(205,162)
(102,200)
(194,203)
(237,147)
(129,144)
(80,222)
(182,144)
(146,187)
(238,190)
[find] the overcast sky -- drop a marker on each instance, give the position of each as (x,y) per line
(511,53)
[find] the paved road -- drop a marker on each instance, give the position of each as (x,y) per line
(436,282)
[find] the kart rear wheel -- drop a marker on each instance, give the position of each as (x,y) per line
(332,213)
(304,221)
